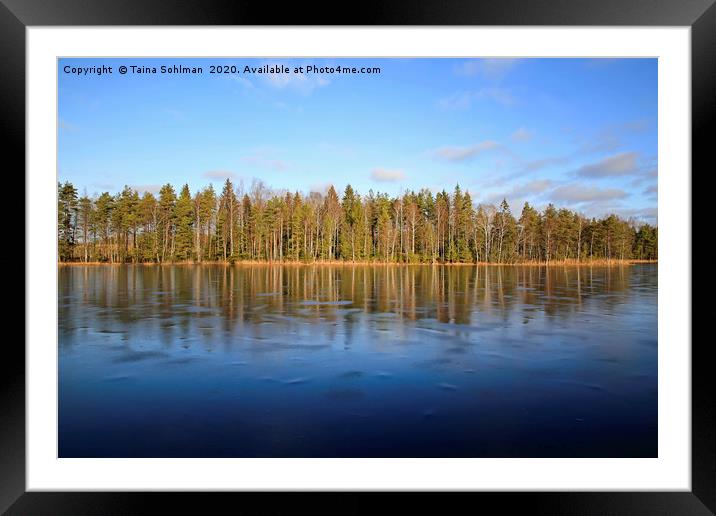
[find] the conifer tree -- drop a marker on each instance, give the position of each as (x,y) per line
(184,221)
(278,226)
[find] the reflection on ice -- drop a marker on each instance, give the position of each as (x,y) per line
(357,361)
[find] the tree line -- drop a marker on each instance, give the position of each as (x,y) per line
(267,225)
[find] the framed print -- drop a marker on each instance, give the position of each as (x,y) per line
(450,251)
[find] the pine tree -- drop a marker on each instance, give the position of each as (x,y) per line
(206,210)
(66,219)
(352,219)
(184,220)
(549,223)
(167,199)
(148,221)
(279,226)
(104,206)
(86,216)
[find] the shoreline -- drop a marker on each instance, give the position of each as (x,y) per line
(338,263)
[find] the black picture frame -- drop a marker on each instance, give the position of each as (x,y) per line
(16,15)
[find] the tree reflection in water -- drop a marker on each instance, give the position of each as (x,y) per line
(323,360)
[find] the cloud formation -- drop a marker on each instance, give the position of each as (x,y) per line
(647,214)
(521,192)
(384,175)
(462,153)
(104,186)
(321,188)
(220,174)
(243,81)
(531,188)
(576,194)
(261,160)
(152,189)
(300,82)
(538,164)
(522,135)
(488,68)
(622,164)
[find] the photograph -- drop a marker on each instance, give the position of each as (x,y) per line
(346,257)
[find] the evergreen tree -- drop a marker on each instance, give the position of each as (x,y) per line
(148,241)
(66,219)
(184,221)
(167,200)
(86,217)
(104,206)
(279,226)
(352,218)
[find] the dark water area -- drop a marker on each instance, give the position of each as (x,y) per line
(357,361)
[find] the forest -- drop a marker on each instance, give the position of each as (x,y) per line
(262,224)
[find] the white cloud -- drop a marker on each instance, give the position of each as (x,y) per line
(488,68)
(243,81)
(300,82)
(537,164)
(385,175)
(321,188)
(153,189)
(533,187)
(576,194)
(622,164)
(522,135)
(462,153)
(522,192)
(261,160)
(647,214)
(220,174)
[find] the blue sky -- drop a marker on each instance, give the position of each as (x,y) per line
(580,133)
